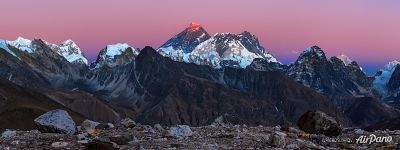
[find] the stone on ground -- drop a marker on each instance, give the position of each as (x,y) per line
(180,131)
(317,122)
(55,121)
(8,133)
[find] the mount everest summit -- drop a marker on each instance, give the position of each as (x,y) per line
(195,45)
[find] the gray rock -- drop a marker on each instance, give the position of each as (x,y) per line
(222,120)
(180,131)
(88,124)
(317,122)
(278,139)
(83,136)
(158,127)
(59,144)
(292,147)
(359,131)
(128,123)
(56,121)
(8,133)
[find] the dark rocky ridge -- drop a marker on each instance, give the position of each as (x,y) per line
(332,77)
(393,85)
(388,124)
(169,88)
(367,111)
(19,106)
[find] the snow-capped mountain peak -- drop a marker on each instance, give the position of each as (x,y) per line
(70,43)
(195,45)
(184,42)
(345,59)
(315,49)
(22,44)
(116,49)
(70,51)
(391,65)
(310,54)
(228,49)
(108,55)
(383,76)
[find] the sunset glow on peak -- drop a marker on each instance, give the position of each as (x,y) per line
(194,26)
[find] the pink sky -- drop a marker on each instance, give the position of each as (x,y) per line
(366,30)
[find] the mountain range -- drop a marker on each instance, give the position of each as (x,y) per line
(192,79)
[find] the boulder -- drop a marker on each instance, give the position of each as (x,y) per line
(317,122)
(180,131)
(128,123)
(88,124)
(158,127)
(278,139)
(55,121)
(8,134)
(359,131)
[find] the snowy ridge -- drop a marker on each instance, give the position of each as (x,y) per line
(115,49)
(70,51)
(174,54)
(207,53)
(204,54)
(22,44)
(345,59)
(383,78)
(3,45)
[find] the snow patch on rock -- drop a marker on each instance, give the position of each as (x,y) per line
(345,59)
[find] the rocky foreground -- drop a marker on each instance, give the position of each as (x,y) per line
(55,132)
(206,137)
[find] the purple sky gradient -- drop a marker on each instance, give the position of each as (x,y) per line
(366,30)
